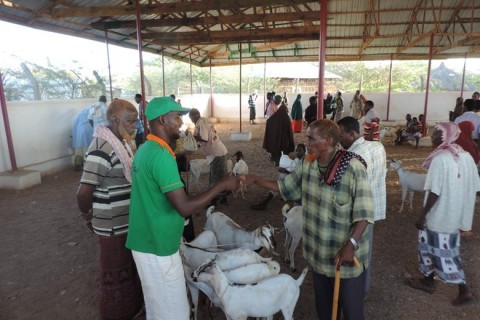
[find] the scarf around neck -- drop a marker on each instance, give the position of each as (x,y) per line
(122,149)
(338,166)
(450,133)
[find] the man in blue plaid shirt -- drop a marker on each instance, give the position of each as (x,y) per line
(337,207)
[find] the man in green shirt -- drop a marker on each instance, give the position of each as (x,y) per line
(158,206)
(337,207)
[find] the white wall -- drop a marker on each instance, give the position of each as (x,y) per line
(41,130)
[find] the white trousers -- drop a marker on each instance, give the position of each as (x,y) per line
(163,285)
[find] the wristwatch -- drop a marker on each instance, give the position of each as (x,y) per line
(354,242)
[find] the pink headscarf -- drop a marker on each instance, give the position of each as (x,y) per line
(450,133)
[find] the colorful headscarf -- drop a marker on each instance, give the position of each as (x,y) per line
(450,133)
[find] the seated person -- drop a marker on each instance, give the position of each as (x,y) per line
(413,132)
(408,128)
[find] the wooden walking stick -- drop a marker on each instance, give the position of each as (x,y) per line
(336,289)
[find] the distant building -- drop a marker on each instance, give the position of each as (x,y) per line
(299,77)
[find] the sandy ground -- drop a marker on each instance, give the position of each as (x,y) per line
(48,266)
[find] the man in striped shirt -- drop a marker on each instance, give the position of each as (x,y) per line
(104,199)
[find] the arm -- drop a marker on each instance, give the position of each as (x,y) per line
(187,205)
(262,182)
(431,200)
(347,252)
(85,201)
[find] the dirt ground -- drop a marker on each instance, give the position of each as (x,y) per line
(48,266)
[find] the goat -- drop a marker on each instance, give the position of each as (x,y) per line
(264,299)
(230,235)
(292,221)
(228,260)
(409,181)
(388,135)
(243,265)
(240,168)
(248,274)
(201,166)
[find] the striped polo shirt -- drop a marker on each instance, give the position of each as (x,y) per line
(111,198)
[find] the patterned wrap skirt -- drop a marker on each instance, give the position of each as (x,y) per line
(120,289)
(439,253)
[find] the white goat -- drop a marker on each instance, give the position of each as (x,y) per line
(242,265)
(201,166)
(293,222)
(227,260)
(240,168)
(264,299)
(409,181)
(249,274)
(230,235)
(388,135)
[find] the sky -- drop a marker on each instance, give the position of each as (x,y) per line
(38,46)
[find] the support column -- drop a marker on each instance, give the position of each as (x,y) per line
(191,80)
(322,48)
(163,70)
(240,50)
(463,76)
(389,87)
(427,90)
(108,62)
(140,56)
(264,85)
(211,89)
(6,123)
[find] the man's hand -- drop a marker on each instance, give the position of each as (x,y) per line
(232,183)
(420,223)
(345,255)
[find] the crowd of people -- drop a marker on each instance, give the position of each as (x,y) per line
(136,202)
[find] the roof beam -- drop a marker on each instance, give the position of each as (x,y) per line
(208,20)
(233,36)
(455,44)
(167,8)
(369,16)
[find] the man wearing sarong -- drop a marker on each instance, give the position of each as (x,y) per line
(337,205)
(211,146)
(104,200)
(451,186)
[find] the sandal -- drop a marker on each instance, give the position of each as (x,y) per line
(417,283)
(463,299)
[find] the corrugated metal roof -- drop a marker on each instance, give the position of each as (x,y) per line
(272,30)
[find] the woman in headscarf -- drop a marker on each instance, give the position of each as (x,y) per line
(466,142)
(297,113)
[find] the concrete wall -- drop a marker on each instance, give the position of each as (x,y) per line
(41,130)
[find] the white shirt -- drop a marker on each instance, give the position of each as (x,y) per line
(98,115)
(375,156)
(456,184)
(473,118)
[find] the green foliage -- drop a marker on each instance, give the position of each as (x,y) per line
(56,83)
(52,83)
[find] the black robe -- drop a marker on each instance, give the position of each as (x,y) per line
(278,134)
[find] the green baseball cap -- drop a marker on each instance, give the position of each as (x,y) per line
(162,105)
